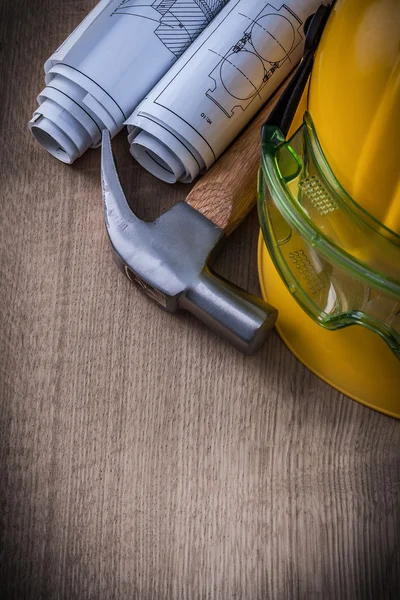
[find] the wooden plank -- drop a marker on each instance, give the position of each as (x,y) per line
(141,457)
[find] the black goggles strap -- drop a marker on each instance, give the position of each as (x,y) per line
(283,113)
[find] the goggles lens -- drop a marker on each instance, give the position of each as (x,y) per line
(341,265)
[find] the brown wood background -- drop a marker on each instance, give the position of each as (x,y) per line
(141,457)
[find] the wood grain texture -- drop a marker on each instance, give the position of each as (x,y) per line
(141,457)
(228,192)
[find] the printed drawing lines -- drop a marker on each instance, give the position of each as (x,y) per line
(242,74)
(266,44)
(179,21)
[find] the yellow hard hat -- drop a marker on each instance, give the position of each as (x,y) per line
(329,203)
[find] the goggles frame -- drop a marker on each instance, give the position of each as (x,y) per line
(274,134)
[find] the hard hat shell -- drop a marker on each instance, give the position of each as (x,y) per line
(354,102)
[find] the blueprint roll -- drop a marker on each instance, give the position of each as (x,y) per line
(105,68)
(217,86)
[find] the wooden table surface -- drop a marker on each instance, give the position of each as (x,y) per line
(141,456)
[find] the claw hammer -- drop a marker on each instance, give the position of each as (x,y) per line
(171,258)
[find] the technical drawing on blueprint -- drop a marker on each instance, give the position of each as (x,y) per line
(179,21)
(218,85)
(266,44)
(121,50)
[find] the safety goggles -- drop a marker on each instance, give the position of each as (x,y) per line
(338,262)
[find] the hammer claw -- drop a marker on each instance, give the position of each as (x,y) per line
(117,211)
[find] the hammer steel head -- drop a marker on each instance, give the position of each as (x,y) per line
(168,259)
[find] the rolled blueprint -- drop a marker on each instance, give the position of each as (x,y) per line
(217,86)
(108,64)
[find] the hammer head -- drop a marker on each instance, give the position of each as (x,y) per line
(168,259)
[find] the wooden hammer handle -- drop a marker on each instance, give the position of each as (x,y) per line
(228,191)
